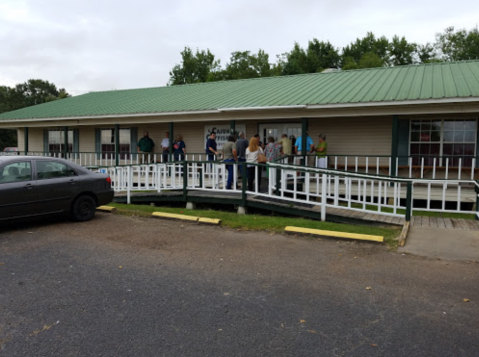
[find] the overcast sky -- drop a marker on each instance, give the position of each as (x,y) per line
(93,45)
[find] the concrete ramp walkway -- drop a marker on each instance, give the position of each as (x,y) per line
(442,243)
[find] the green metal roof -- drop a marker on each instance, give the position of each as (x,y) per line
(402,83)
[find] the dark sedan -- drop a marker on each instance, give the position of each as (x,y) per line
(33,186)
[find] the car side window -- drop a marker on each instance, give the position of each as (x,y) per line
(53,169)
(16,172)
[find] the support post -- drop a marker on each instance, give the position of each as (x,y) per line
(117,144)
(394,144)
(304,136)
(278,181)
(324,199)
(244,183)
(477,201)
(65,147)
(172,138)
(409,201)
(25,137)
(184,165)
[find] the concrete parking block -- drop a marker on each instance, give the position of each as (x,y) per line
(174,216)
(323,233)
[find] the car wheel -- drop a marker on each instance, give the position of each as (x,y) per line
(83,209)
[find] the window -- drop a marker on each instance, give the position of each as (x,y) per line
(53,169)
(446,138)
(108,142)
(56,141)
(16,172)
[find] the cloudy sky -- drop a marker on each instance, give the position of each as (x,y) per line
(93,45)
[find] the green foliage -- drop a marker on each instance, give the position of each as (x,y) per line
(427,53)
(368,45)
(458,46)
(367,52)
(244,65)
(401,52)
(194,68)
(370,60)
(32,92)
(317,57)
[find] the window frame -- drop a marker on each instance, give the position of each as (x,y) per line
(62,141)
(124,154)
(442,142)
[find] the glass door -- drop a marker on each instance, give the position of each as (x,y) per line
(292,130)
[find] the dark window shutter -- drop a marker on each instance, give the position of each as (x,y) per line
(134,140)
(403,141)
(45,141)
(76,140)
(98,142)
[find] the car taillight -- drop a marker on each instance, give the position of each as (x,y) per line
(108,179)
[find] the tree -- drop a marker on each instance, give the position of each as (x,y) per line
(317,57)
(321,55)
(244,65)
(427,53)
(296,61)
(194,68)
(401,52)
(458,46)
(32,92)
(369,44)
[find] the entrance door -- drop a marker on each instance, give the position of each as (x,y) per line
(276,130)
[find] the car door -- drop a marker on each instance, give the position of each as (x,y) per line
(17,190)
(56,185)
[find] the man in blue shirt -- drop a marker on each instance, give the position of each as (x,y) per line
(298,144)
(211,147)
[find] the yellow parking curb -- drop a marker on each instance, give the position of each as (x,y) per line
(214,221)
(106,209)
(174,216)
(334,234)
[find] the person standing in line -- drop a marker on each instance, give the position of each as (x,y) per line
(286,145)
(211,147)
(165,145)
(179,148)
(322,152)
(241,146)
(252,152)
(260,143)
(271,151)
(299,142)
(230,155)
(146,147)
(309,148)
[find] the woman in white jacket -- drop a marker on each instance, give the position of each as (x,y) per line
(252,152)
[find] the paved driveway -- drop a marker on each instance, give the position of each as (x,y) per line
(120,286)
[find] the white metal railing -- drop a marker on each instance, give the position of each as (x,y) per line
(390,196)
(440,167)
(447,168)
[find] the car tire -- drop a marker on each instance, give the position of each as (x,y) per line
(83,209)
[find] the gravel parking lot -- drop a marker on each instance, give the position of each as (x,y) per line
(126,286)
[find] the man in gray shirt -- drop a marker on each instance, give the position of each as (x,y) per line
(241,146)
(230,155)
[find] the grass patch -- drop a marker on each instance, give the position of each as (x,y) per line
(263,222)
